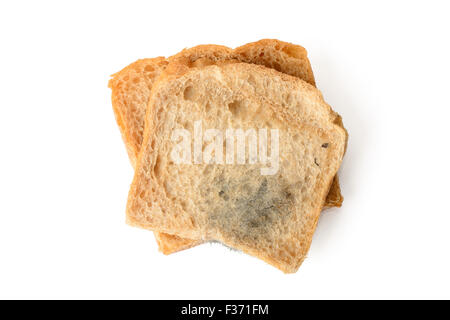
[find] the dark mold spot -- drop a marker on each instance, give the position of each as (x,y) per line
(315,161)
(223,195)
(254,204)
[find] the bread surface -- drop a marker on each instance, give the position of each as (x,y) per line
(271,217)
(131,88)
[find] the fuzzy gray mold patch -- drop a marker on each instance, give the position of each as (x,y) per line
(247,208)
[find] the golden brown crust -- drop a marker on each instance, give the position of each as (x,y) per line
(334,197)
(211,52)
(279,55)
(169,244)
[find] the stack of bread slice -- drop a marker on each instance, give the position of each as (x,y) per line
(262,86)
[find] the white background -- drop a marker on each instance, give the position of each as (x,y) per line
(64,172)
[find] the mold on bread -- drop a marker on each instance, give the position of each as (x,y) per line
(247,208)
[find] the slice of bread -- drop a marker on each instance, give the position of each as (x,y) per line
(131,88)
(271,217)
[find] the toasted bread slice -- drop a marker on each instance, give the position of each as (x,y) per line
(131,89)
(271,217)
